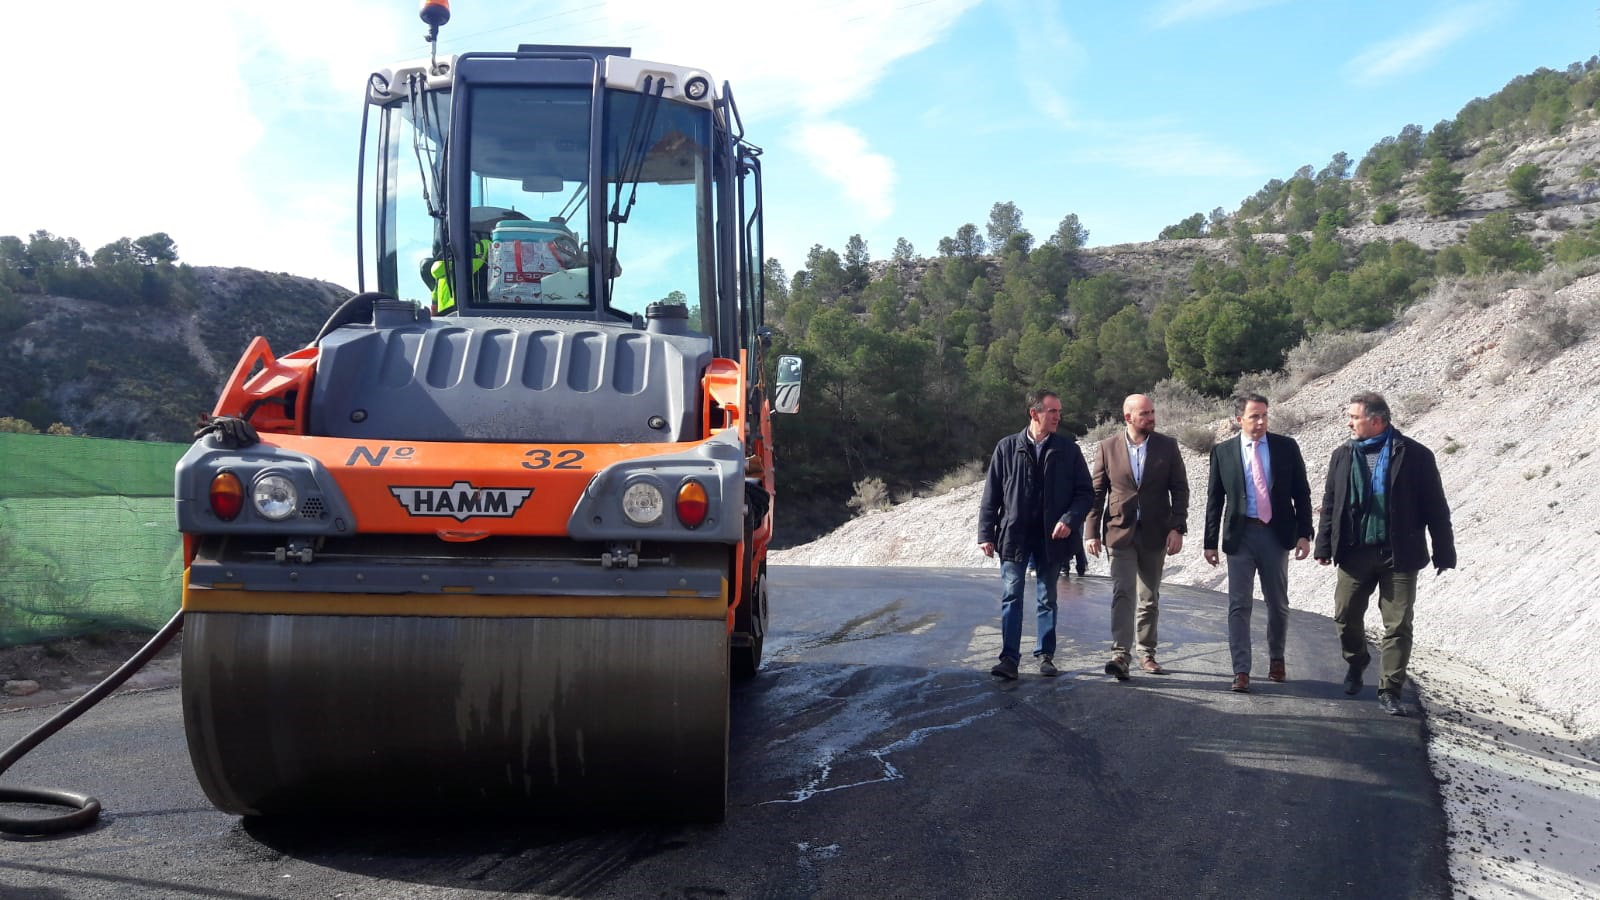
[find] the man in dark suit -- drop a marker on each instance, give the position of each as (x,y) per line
(1034,498)
(1383,491)
(1260,479)
(1140,513)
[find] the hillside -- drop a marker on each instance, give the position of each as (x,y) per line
(1525,499)
(125,370)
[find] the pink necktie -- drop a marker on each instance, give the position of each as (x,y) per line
(1258,482)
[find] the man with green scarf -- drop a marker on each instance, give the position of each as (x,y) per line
(1383,490)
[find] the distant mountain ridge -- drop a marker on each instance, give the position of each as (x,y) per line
(121,370)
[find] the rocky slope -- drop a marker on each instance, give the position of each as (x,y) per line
(126,371)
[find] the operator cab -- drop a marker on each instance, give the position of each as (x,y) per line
(564,183)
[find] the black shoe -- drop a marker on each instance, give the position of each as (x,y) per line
(1352,679)
(1005,668)
(1390,703)
(1082,572)
(1118,667)
(1047,666)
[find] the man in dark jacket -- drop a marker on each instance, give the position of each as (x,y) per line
(1034,499)
(1383,491)
(1259,479)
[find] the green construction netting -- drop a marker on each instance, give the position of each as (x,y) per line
(88,539)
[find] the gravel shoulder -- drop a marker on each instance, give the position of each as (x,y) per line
(33,675)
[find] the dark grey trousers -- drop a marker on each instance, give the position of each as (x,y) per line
(1259,554)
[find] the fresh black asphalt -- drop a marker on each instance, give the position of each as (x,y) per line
(873,757)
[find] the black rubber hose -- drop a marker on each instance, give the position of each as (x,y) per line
(356,309)
(86,809)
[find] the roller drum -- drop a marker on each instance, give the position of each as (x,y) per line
(289,714)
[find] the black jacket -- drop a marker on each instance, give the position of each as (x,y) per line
(1416,503)
(1289,491)
(1060,484)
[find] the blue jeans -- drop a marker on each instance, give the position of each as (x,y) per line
(1011,577)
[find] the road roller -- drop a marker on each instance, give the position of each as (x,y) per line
(495,540)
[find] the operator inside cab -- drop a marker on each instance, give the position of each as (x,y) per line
(517,260)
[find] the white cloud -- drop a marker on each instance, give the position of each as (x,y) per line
(1178,12)
(1162,151)
(783,58)
(214,132)
(127,133)
(841,154)
(1047,54)
(1411,52)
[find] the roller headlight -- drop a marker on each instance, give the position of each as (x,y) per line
(642,503)
(275,497)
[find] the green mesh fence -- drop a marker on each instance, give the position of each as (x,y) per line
(88,539)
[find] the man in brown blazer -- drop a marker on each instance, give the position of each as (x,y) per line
(1140,513)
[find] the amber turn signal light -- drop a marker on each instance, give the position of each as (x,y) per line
(227,496)
(692,504)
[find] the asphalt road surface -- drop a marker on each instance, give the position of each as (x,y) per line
(873,757)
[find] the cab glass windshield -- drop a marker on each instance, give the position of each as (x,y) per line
(528,200)
(658,204)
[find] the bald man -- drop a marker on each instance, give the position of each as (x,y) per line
(1139,514)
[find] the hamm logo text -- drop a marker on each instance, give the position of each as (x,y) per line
(461,501)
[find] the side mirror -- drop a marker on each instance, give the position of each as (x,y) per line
(786,399)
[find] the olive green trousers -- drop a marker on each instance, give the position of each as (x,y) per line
(1362,570)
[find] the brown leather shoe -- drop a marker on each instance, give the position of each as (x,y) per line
(1276,672)
(1150,665)
(1241,683)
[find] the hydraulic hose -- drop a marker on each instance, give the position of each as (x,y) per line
(355,309)
(86,809)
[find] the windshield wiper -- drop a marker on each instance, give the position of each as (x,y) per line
(631,168)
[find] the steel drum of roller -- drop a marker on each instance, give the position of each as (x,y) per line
(537,716)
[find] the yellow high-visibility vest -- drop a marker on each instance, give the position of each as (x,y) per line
(444,298)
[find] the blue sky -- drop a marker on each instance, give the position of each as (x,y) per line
(232,126)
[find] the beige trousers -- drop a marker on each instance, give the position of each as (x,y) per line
(1135,572)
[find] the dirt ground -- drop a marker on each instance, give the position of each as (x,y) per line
(62,670)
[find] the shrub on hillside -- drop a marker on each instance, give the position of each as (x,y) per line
(1102,430)
(1324,352)
(1477,293)
(967,473)
(1546,331)
(1575,245)
(1267,384)
(1285,419)
(1196,436)
(1177,402)
(1527,184)
(1449,261)
(1498,243)
(1414,405)
(871,494)
(1385,213)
